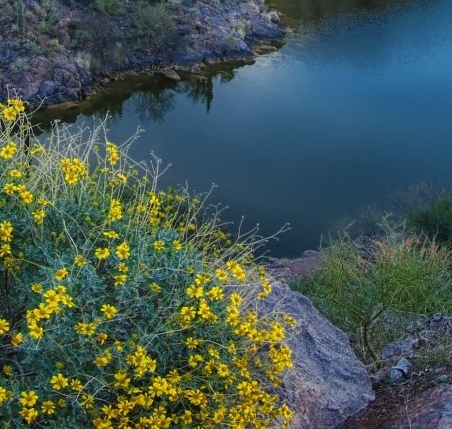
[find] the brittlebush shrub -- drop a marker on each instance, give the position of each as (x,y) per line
(123,306)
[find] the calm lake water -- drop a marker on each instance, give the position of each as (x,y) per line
(356,105)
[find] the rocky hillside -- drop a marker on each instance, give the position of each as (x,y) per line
(55,50)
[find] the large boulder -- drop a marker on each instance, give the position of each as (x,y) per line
(327,384)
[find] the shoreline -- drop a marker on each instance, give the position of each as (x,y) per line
(202,36)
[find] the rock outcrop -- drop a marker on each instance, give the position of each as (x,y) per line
(406,397)
(328,384)
(304,267)
(64,50)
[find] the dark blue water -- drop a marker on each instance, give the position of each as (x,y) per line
(355,106)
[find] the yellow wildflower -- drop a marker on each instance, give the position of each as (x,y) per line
(194,291)
(111,234)
(28,399)
(113,153)
(76,385)
(59,382)
(85,328)
(17,339)
(10,188)
(17,104)
(15,173)
(102,253)
(61,273)
(109,311)
(194,360)
(79,260)
(4,395)
(29,414)
(120,279)
(6,230)
(27,196)
(38,216)
(121,379)
(115,212)
(177,245)
(102,336)
(9,113)
(123,250)
(5,249)
(159,245)
(4,326)
(35,331)
(48,407)
(7,370)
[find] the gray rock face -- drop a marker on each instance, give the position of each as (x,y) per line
(43,83)
(55,71)
(290,269)
(223,30)
(328,384)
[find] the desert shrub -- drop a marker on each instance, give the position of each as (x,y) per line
(20,65)
(19,10)
(109,7)
(242,27)
(54,46)
(81,38)
(123,305)
(151,24)
(407,275)
(31,48)
(94,38)
(435,219)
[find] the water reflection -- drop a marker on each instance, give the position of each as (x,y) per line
(308,10)
(353,107)
(152,106)
(152,97)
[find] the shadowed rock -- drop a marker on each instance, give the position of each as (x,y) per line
(328,384)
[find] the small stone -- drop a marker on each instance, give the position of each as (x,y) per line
(171,74)
(400,371)
(444,379)
(395,376)
(405,366)
(437,317)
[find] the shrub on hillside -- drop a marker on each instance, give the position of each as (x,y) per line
(407,275)
(122,305)
(434,220)
(151,25)
(109,7)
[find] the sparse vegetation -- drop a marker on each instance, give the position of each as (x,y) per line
(406,276)
(434,219)
(150,24)
(109,7)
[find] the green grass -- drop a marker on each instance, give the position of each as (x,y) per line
(371,299)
